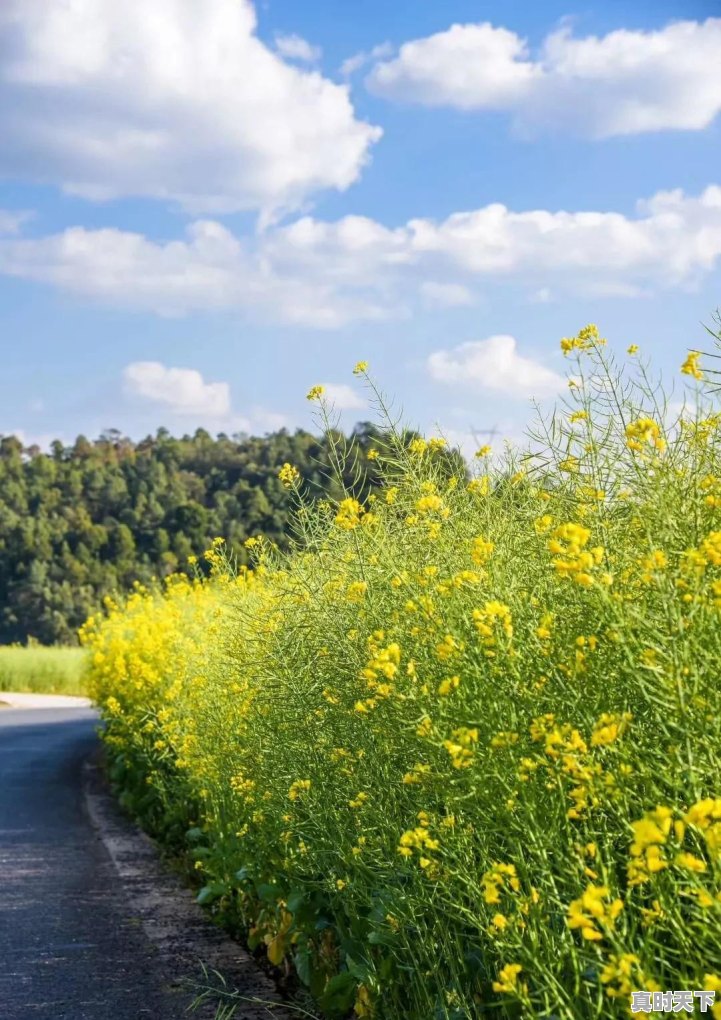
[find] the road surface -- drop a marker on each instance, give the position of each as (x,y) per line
(70,945)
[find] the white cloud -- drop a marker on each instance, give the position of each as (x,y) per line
(673,237)
(344,397)
(174,99)
(625,82)
(42,440)
(210,269)
(181,390)
(469,66)
(12,220)
(365,57)
(326,274)
(494,364)
(295,47)
(446,295)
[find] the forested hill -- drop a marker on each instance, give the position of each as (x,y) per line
(82,521)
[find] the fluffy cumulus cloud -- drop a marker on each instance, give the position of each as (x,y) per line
(181,390)
(174,99)
(326,274)
(622,83)
(496,365)
(185,394)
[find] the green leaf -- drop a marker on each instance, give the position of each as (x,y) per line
(210,893)
(267,893)
(339,994)
(360,971)
(296,900)
(304,966)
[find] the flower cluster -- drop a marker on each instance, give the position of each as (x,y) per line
(571,557)
(457,751)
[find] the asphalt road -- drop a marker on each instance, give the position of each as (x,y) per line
(70,947)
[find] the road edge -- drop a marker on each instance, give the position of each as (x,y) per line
(171,919)
(29,699)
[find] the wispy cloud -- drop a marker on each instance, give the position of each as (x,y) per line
(295,47)
(12,220)
(446,295)
(365,57)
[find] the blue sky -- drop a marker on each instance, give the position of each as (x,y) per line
(205,209)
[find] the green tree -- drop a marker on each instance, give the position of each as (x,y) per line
(85,520)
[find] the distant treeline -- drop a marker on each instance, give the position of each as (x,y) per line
(80,522)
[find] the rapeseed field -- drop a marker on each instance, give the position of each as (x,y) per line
(460,753)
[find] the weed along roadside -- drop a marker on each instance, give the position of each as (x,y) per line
(460,750)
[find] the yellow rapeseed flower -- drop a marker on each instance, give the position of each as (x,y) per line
(592,912)
(585,340)
(507,981)
(481,550)
(644,431)
(690,365)
(608,727)
(298,787)
(289,475)
(349,514)
(618,974)
(480,486)
(650,833)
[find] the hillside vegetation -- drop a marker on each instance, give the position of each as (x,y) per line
(458,754)
(84,521)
